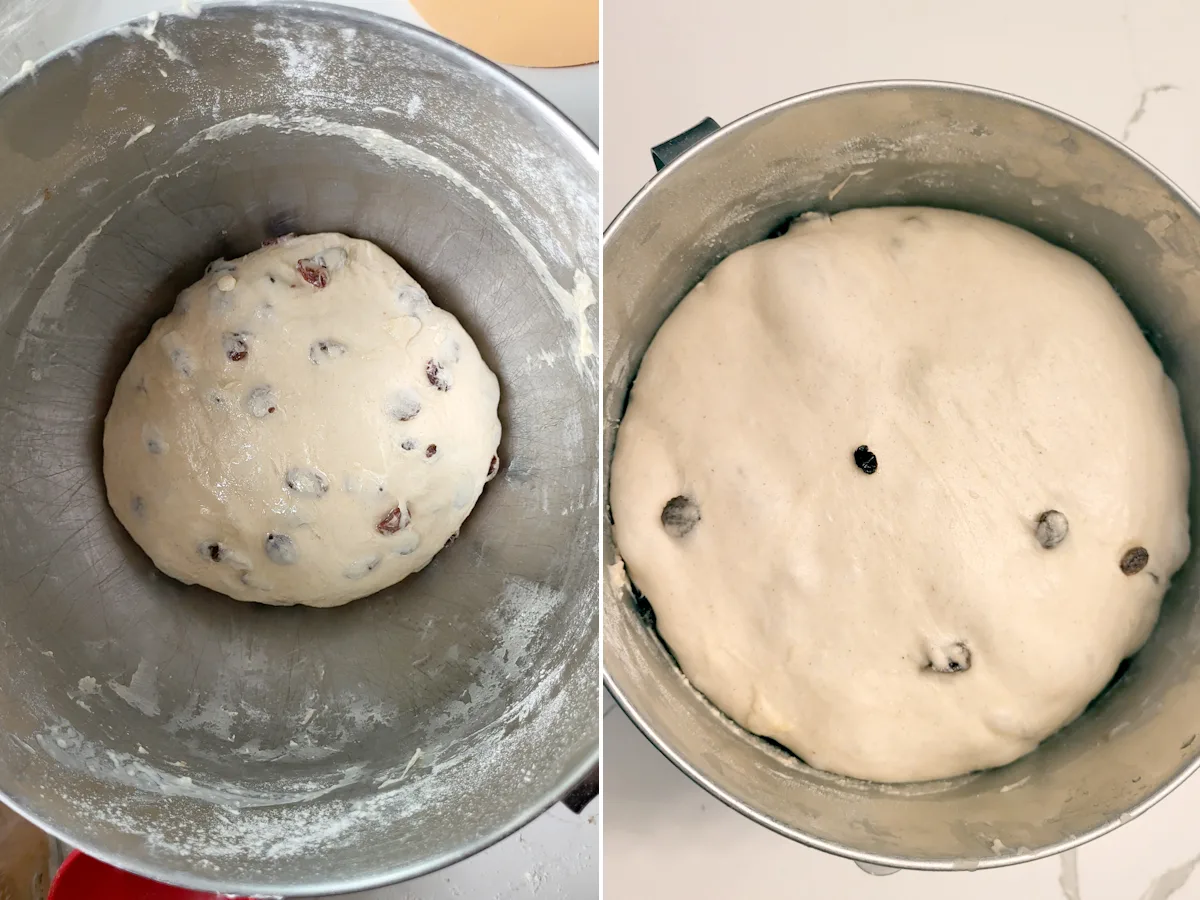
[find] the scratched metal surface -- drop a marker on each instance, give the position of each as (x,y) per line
(238,747)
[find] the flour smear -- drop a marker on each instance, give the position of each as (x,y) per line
(574,303)
(353,807)
(324,789)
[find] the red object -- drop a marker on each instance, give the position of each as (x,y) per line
(82,878)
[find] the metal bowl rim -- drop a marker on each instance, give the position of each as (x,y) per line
(564,125)
(838,849)
(590,152)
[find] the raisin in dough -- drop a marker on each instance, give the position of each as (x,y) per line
(906,624)
(304,427)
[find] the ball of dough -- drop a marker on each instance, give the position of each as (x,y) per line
(304,427)
(832,481)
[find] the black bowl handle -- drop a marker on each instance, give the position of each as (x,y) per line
(666,152)
(584,792)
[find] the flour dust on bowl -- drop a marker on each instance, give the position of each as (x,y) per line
(261,750)
(915,144)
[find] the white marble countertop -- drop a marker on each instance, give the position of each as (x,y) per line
(557,856)
(1128,69)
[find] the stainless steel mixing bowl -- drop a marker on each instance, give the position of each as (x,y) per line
(291,751)
(964,148)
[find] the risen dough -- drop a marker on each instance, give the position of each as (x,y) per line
(286,442)
(907,624)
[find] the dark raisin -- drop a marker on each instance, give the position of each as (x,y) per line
(235,345)
(865,459)
(437,375)
(313,271)
(493,466)
(431,451)
(950,659)
(307,481)
(408,444)
(325,350)
(1135,560)
(1052,528)
(281,549)
(680,516)
(138,505)
(213,550)
(261,402)
(404,405)
(394,520)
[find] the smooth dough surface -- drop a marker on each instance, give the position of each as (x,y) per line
(311,437)
(995,377)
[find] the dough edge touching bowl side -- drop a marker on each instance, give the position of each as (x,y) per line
(803,557)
